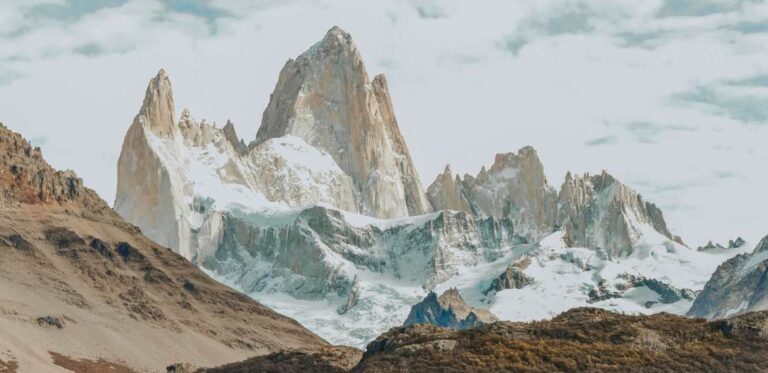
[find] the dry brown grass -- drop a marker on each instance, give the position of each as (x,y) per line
(89,366)
(577,341)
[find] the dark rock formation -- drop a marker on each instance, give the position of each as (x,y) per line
(739,285)
(449,311)
(512,278)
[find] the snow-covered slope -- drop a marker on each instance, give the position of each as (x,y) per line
(659,275)
(738,286)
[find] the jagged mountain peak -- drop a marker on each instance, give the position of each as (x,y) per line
(158,108)
(325,98)
(448,310)
(739,285)
(526,154)
(762,246)
(336,48)
(335,37)
(446,193)
(599,211)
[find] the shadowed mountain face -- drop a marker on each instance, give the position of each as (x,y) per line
(738,286)
(80,284)
(579,340)
(449,310)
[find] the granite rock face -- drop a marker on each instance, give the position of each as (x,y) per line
(738,286)
(170,175)
(324,97)
(596,212)
(449,310)
(600,212)
(514,188)
(317,252)
(447,193)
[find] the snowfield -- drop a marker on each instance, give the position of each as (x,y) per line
(563,278)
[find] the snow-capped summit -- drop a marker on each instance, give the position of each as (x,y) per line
(324,97)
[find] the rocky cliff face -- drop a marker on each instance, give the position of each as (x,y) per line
(325,98)
(738,286)
(171,174)
(600,212)
(319,250)
(81,283)
(449,310)
(145,185)
(514,188)
(27,179)
(447,193)
(597,212)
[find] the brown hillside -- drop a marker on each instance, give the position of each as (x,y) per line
(81,284)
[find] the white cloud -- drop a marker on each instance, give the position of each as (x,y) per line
(584,73)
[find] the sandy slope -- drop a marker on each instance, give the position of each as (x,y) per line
(113,309)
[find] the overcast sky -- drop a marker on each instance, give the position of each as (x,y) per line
(669,96)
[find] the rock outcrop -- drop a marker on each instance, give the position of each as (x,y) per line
(732,244)
(600,212)
(514,188)
(738,286)
(77,280)
(597,212)
(26,178)
(449,310)
(447,193)
(512,278)
(325,98)
(146,194)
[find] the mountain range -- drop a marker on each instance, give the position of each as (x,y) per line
(322,216)
(316,239)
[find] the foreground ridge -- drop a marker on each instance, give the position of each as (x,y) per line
(582,339)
